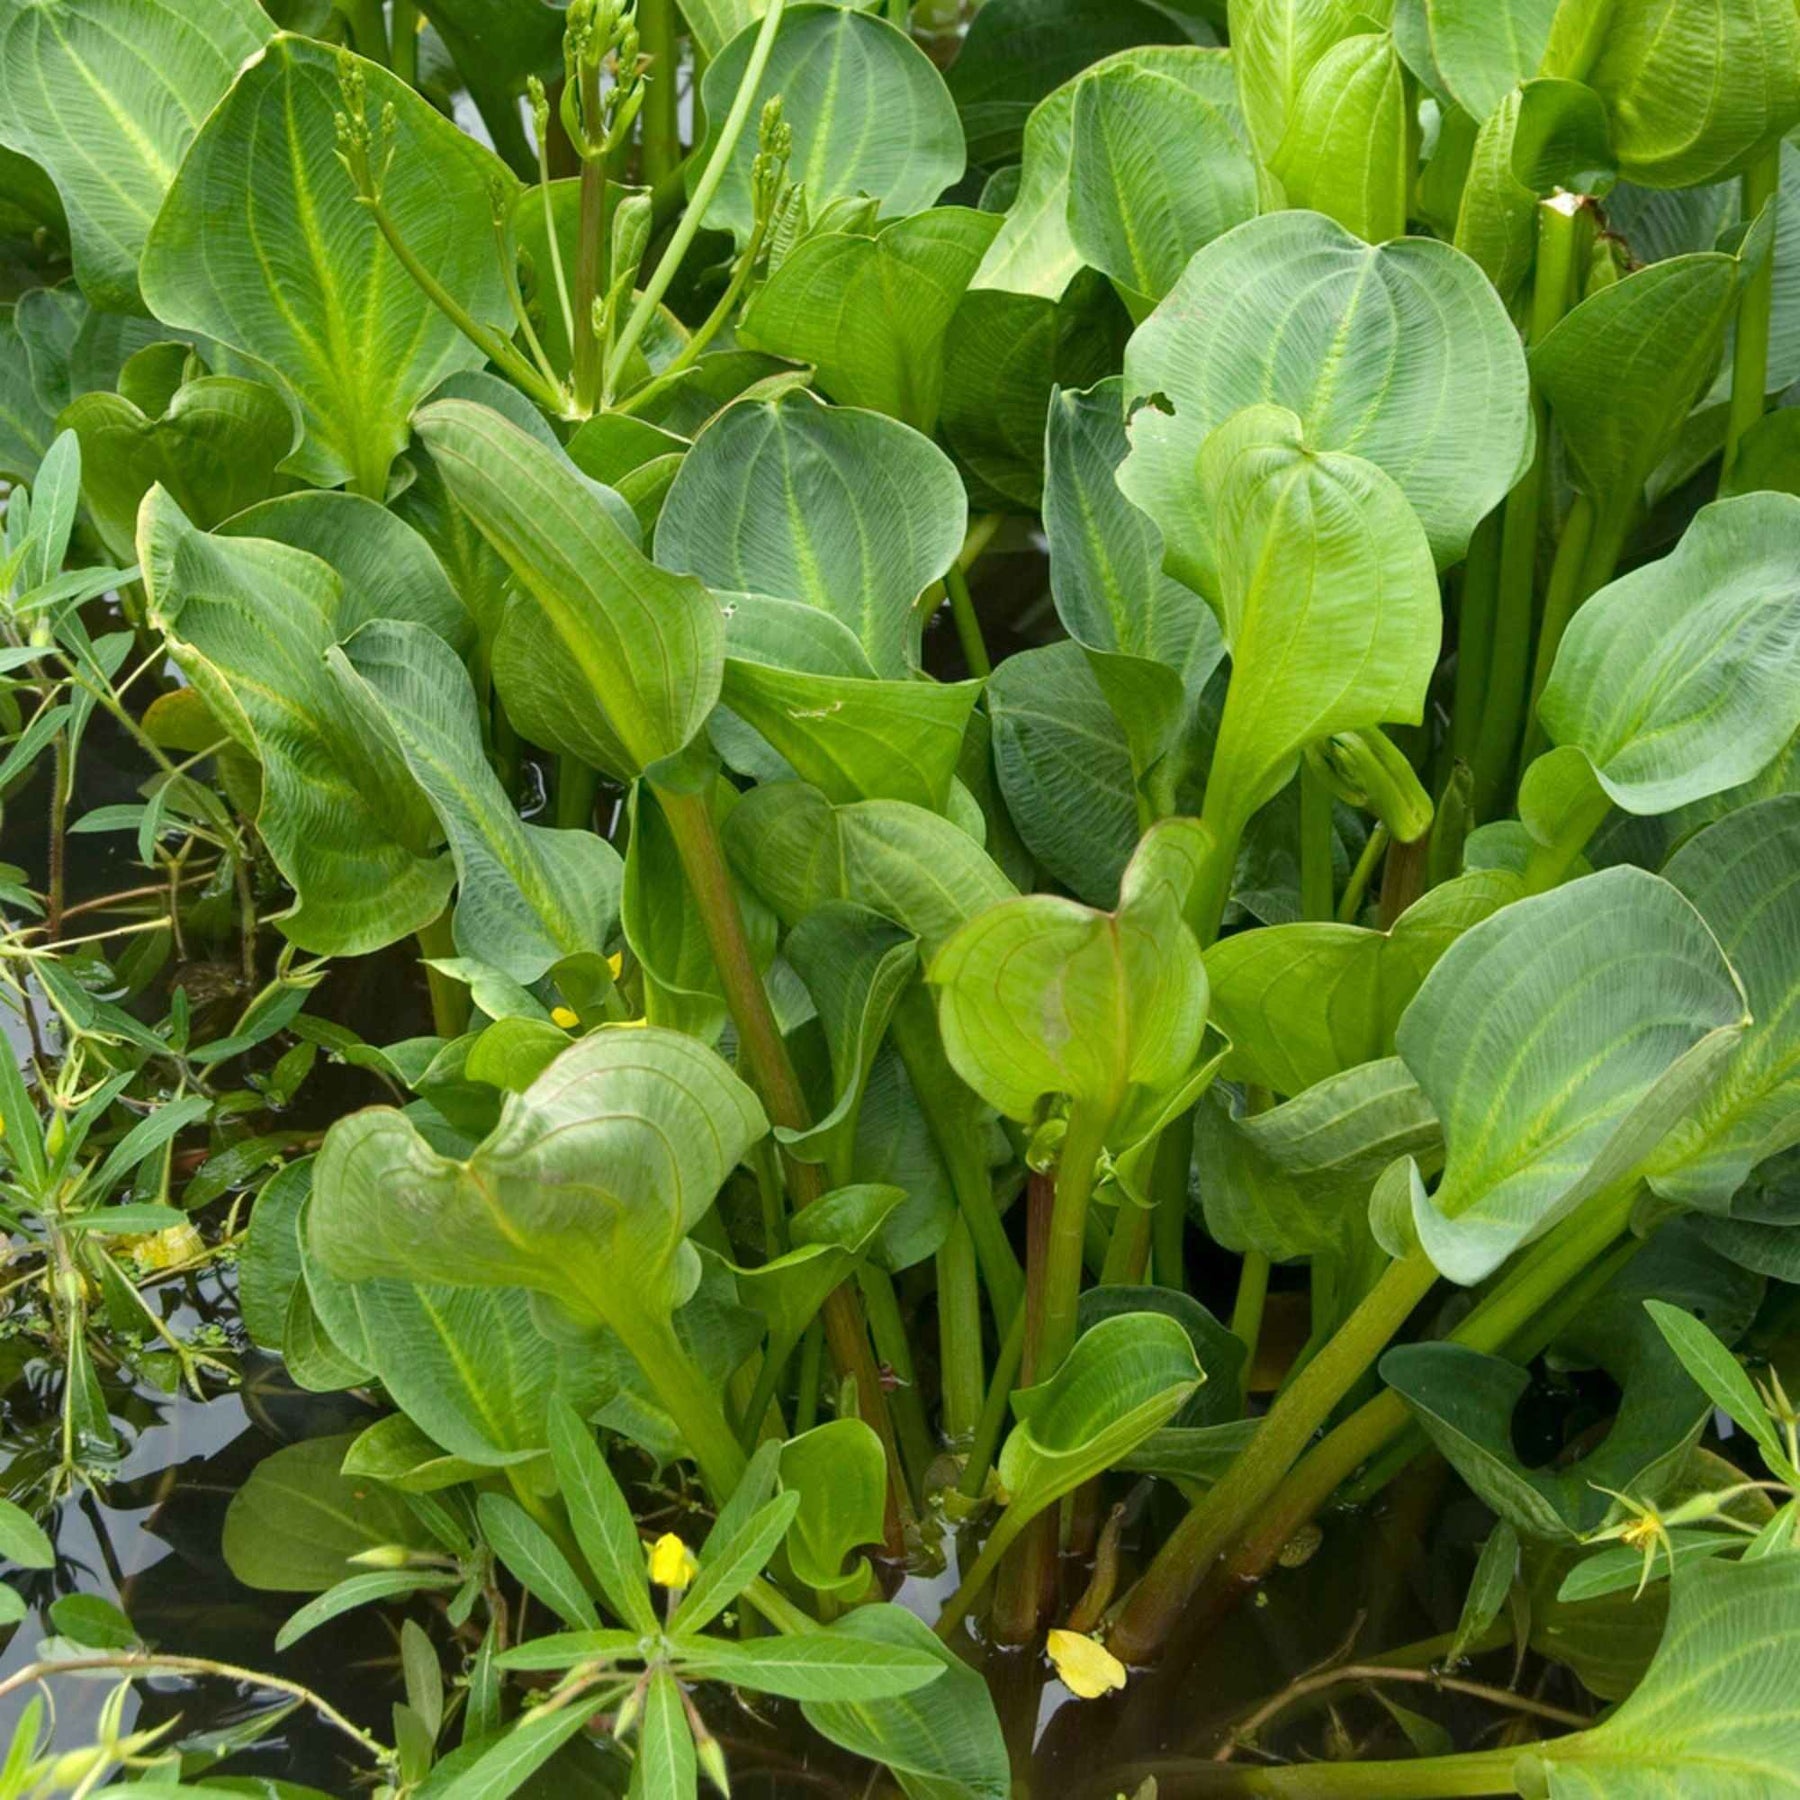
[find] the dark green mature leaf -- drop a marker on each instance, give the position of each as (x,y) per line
(263,245)
(600,654)
(1453,434)
(1040,995)
(1711,1720)
(1326,597)
(600,1517)
(107,95)
(940,1742)
(1719,1375)
(527,896)
(837,70)
(297,1521)
(870,312)
(359,1590)
(530,1554)
(1743,874)
(26,424)
(1159,164)
(845,510)
(22,1539)
(1559,1041)
(249,621)
(1682,678)
(835,1666)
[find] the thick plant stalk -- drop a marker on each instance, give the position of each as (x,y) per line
(590,253)
(657,39)
(449,999)
(696,834)
(1221,1516)
(961,1365)
(1750,347)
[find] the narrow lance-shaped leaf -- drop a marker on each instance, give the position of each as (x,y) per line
(263,244)
(600,654)
(527,896)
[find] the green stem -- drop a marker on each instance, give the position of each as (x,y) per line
(777,1353)
(812,1358)
(968,626)
(657,29)
(1361,875)
(449,998)
(577,788)
(708,185)
(590,251)
(1475,634)
(1169,1191)
(960,1360)
(887,1325)
(1315,844)
(689,1398)
(1247,1308)
(1221,1516)
(368,28)
(1503,708)
(1761,184)
(992,1422)
(1596,550)
(1128,1248)
(1081,1148)
(1427,1778)
(406,41)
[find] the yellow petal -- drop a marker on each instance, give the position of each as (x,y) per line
(565,1016)
(672,1563)
(616,962)
(1088,1669)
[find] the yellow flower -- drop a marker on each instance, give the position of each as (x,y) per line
(566,1017)
(616,962)
(1088,1669)
(672,1563)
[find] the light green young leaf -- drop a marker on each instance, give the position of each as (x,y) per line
(249,621)
(263,245)
(1275,45)
(665,1765)
(869,312)
(1559,1041)
(1040,995)
(726,1569)
(837,70)
(1711,1720)
(1033,253)
(1326,598)
(1496,1569)
(1682,678)
(1348,149)
(1454,434)
(1719,1375)
(107,95)
(839,1470)
(22,1539)
(359,1590)
(1159,164)
(395,1451)
(600,1517)
(830,1665)
(1743,874)
(527,896)
(1474,51)
(600,654)
(531,1556)
(846,510)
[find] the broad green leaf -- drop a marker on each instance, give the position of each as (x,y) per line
(530,1554)
(600,1517)
(584,1192)
(869,312)
(914,867)
(1496,1569)
(26,424)
(1706,1721)
(714,23)
(1219,1353)
(837,70)
(830,1665)
(107,95)
(249,621)
(527,896)
(1621,369)
(1474,51)
(1327,601)
(1682,678)
(846,510)
(1033,252)
(22,1539)
(600,654)
(1743,877)
(263,245)
(1292,310)
(1275,45)
(1017,51)
(1303,1002)
(1125,1378)
(214,447)
(940,1742)
(396,1452)
(665,1765)
(1466,1401)
(1295,1180)
(296,1522)
(839,1470)
(1040,995)
(1697,89)
(855,964)
(388,570)
(1347,151)
(1064,765)
(1559,1041)
(1159,164)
